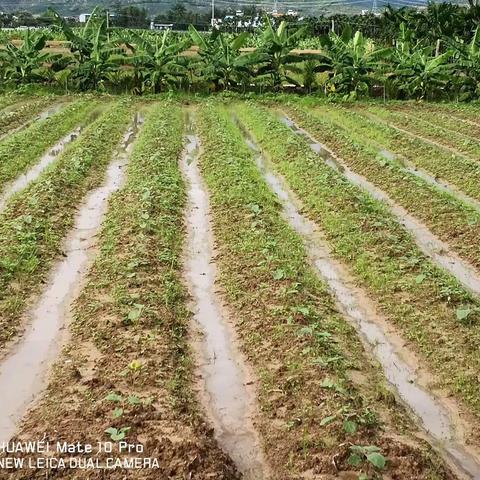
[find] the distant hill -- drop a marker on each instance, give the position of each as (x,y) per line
(305,7)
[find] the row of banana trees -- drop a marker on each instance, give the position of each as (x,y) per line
(348,65)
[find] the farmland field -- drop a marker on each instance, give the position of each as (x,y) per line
(227,288)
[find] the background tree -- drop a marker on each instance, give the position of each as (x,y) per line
(131,16)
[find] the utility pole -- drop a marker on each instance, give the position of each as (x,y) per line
(213,13)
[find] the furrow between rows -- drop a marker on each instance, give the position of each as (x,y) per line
(36,220)
(455,224)
(321,408)
(22,150)
(428,306)
(399,365)
(427,130)
(133,378)
(20,115)
(23,371)
(225,392)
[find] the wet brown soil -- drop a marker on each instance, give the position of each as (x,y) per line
(24,368)
(144,361)
(225,385)
(438,417)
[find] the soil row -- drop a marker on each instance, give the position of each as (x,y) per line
(36,219)
(360,144)
(424,302)
(442,134)
(22,149)
(127,371)
(22,113)
(320,398)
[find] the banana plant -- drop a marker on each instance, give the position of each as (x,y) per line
(353,62)
(221,61)
(25,63)
(96,55)
(467,66)
(275,54)
(157,64)
(416,71)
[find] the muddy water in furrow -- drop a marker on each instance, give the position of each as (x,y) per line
(226,393)
(24,370)
(428,243)
(434,143)
(437,183)
(21,182)
(411,168)
(436,419)
(49,112)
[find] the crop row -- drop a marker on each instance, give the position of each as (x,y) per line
(457,144)
(128,370)
(455,168)
(22,149)
(301,348)
(22,112)
(452,117)
(37,219)
(128,367)
(415,295)
(365,145)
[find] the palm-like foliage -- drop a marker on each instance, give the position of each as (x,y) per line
(95,53)
(439,20)
(467,66)
(274,54)
(353,62)
(25,63)
(416,71)
(221,61)
(156,62)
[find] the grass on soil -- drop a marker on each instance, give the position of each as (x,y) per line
(128,368)
(438,317)
(302,351)
(37,219)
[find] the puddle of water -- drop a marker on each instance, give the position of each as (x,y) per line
(23,372)
(437,183)
(49,112)
(355,305)
(224,380)
(428,243)
(388,155)
(37,169)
